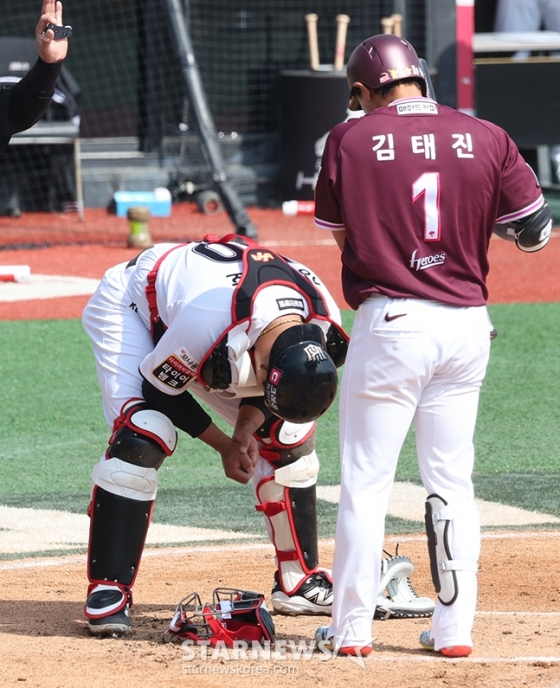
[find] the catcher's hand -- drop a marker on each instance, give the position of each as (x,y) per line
(397,598)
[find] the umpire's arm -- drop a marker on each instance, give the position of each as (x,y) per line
(25,103)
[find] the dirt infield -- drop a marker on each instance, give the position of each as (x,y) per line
(42,631)
(46,644)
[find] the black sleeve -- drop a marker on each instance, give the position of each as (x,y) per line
(5,124)
(533,231)
(182,410)
(31,96)
(257,402)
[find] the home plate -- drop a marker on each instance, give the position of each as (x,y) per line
(408,502)
(47,287)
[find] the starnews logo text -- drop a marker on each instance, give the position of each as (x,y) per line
(282,650)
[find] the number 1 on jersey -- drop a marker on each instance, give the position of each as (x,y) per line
(427,185)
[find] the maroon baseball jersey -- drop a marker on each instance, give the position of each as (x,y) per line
(418,187)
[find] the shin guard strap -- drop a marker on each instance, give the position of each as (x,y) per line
(270,509)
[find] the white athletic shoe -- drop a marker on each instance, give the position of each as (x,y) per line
(313,596)
(397,598)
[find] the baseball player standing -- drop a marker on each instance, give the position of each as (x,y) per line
(257,337)
(22,105)
(412,192)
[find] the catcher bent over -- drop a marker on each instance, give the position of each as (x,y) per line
(255,336)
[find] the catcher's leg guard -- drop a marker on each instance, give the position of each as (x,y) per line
(288,500)
(123,495)
(438,516)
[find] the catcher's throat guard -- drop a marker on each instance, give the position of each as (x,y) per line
(233,615)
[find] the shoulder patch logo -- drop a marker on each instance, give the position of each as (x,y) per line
(262,256)
(173,373)
(286,303)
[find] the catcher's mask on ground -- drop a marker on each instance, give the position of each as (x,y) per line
(302,380)
(232,615)
(380,60)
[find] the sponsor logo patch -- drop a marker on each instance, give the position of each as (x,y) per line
(187,359)
(426,262)
(173,373)
(416,108)
(275,376)
(286,303)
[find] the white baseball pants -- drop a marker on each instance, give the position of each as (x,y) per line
(425,367)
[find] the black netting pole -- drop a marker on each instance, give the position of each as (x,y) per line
(204,122)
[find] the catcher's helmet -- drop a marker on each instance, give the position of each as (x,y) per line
(302,379)
(380,60)
(232,615)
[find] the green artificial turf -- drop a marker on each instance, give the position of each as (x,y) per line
(53,430)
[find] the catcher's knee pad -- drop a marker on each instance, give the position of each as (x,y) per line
(283,442)
(288,499)
(142,436)
(126,479)
(439,515)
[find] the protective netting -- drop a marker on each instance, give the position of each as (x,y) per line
(128,82)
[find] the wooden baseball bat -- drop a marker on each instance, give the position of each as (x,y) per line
(311,20)
(430,87)
(387,24)
(397,24)
(342,21)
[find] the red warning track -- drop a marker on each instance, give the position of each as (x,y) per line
(62,245)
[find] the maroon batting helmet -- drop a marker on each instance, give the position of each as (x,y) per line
(380,60)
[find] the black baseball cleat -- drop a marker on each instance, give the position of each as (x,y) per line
(99,605)
(313,596)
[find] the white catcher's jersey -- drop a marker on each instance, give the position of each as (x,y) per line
(195,286)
